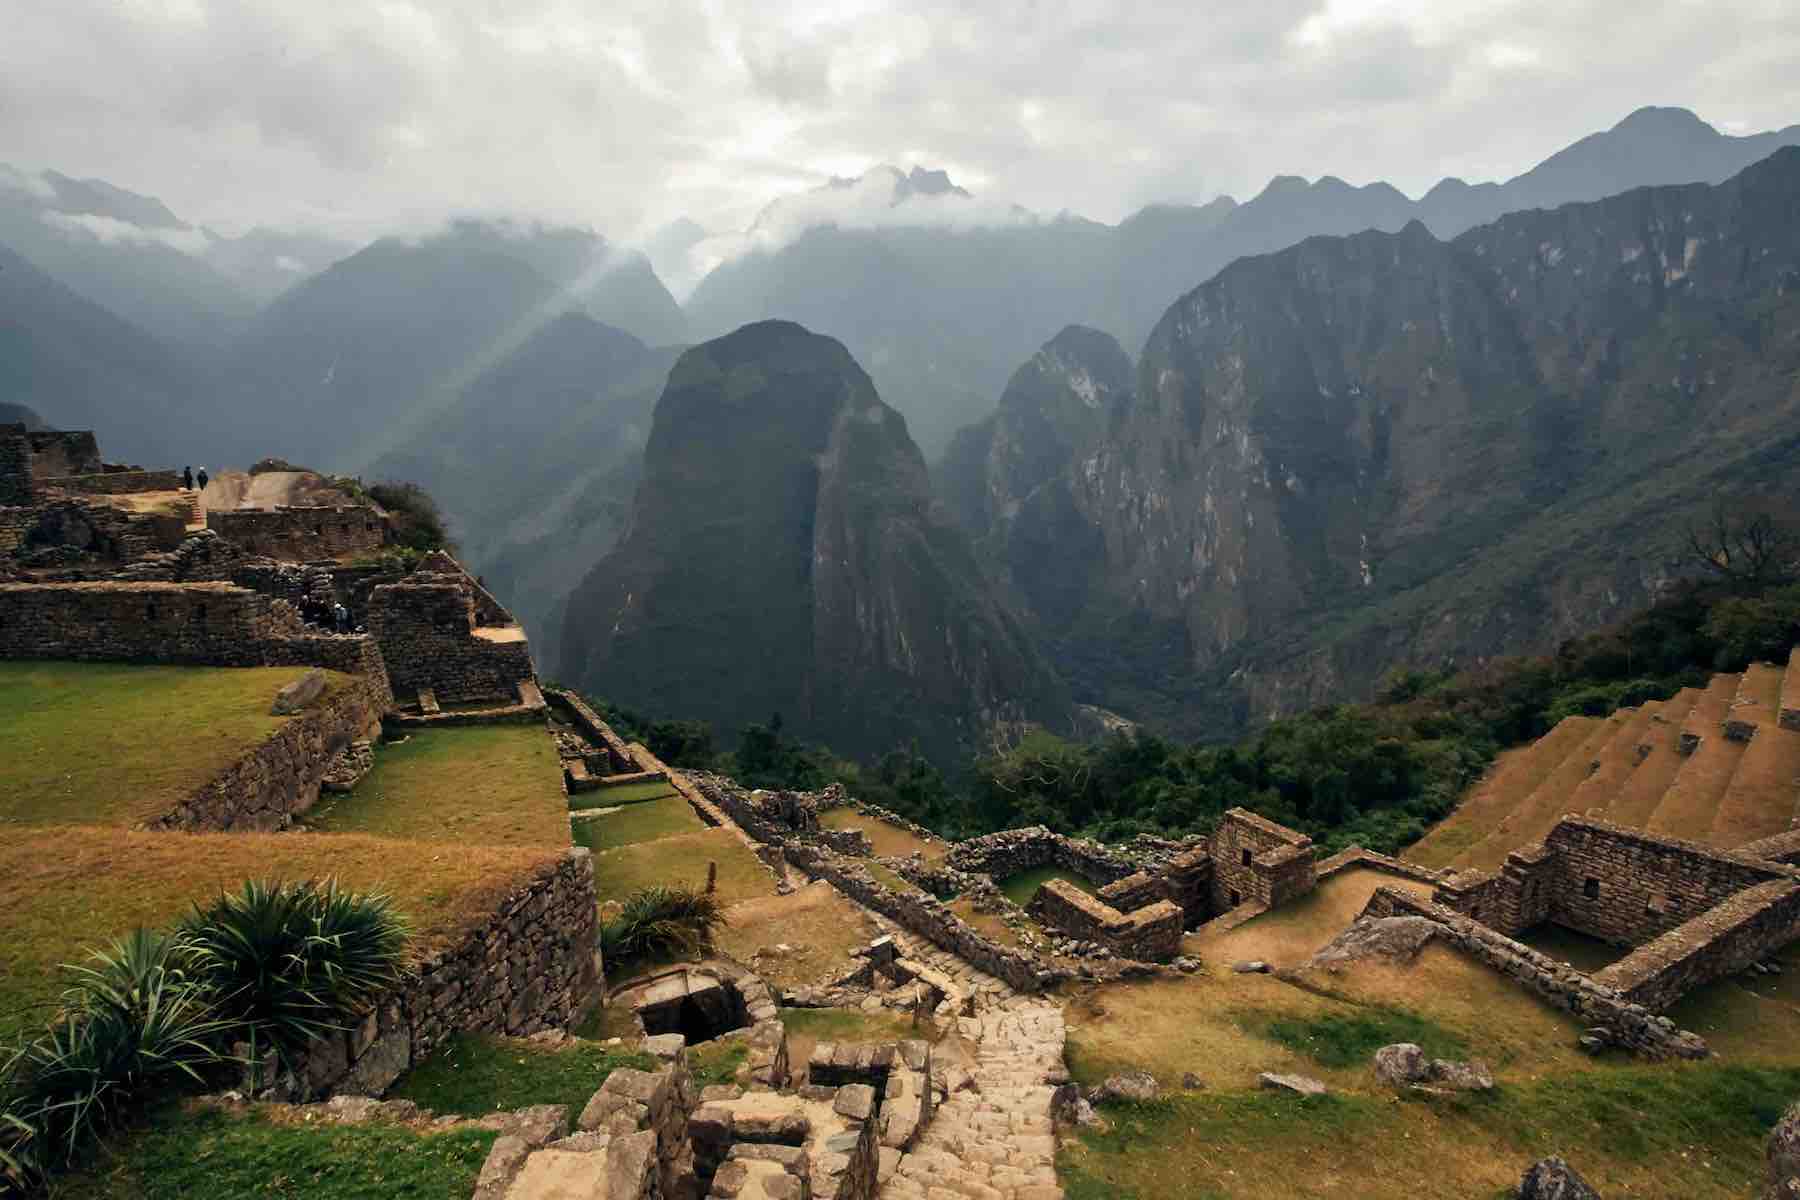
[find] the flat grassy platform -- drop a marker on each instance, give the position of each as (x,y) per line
(473,1075)
(1022,887)
(889,840)
(65,889)
(682,860)
(206,1154)
(488,785)
(817,925)
(633,823)
(118,744)
(1294,931)
(624,793)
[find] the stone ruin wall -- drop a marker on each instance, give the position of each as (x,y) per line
(1646,884)
(115,483)
(83,528)
(17,487)
(1003,854)
(1742,930)
(530,966)
(1630,1026)
(425,625)
(302,533)
(1150,933)
(1256,861)
(488,610)
(60,452)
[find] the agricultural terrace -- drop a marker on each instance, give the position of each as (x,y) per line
(888,839)
(117,744)
(488,785)
(681,860)
(64,889)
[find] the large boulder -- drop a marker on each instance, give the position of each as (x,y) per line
(1554,1179)
(1404,1065)
(1395,939)
(1401,1065)
(1132,1085)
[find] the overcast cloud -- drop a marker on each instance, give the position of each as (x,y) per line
(363,115)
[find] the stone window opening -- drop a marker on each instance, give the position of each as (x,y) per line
(1236,899)
(199,614)
(1591,888)
(1247,857)
(150,610)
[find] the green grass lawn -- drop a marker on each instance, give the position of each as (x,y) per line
(681,860)
(207,1154)
(1675,1130)
(489,785)
(624,793)
(476,1074)
(117,744)
(889,841)
(1022,887)
(636,823)
(64,890)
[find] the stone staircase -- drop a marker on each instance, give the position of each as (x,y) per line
(1719,764)
(994,1139)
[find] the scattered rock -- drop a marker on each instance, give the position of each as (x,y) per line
(1400,1065)
(1397,939)
(1192,1082)
(1132,1085)
(298,694)
(1251,967)
(1404,1065)
(1554,1179)
(1069,1107)
(1472,1076)
(1303,1085)
(1186,965)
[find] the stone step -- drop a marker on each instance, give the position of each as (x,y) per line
(1643,789)
(1760,800)
(1687,809)
(1614,764)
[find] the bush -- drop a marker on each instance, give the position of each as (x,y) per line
(289,962)
(134,1023)
(660,922)
(417,522)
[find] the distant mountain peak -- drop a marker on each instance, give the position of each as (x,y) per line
(1664,120)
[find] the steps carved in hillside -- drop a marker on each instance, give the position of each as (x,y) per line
(1513,776)
(1760,800)
(1790,692)
(1538,812)
(1660,759)
(1615,763)
(1687,809)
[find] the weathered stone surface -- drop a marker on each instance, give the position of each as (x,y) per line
(1132,1085)
(502,1166)
(1554,1179)
(297,695)
(1303,1085)
(1394,939)
(1783,1157)
(1400,1065)
(855,1101)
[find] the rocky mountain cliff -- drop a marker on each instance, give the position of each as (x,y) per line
(941,312)
(784,555)
(1390,448)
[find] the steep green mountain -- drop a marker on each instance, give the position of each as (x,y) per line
(357,360)
(943,309)
(784,555)
(83,367)
(123,251)
(536,460)
(1386,447)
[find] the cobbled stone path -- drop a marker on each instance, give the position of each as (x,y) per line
(993,1141)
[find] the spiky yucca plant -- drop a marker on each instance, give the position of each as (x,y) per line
(289,962)
(133,1023)
(660,921)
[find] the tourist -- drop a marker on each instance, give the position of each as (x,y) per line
(202,478)
(187,479)
(341,616)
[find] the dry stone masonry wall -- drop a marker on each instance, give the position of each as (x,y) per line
(426,627)
(302,533)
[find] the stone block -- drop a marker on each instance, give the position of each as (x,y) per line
(294,697)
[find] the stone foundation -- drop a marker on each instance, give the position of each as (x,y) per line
(302,533)
(1151,933)
(426,627)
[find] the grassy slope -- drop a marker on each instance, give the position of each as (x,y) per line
(490,785)
(890,841)
(1022,887)
(474,1074)
(682,859)
(637,823)
(110,743)
(205,1154)
(819,927)
(624,793)
(65,889)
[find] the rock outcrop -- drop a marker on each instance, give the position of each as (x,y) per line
(784,556)
(1554,1179)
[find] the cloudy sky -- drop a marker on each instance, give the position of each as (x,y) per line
(361,115)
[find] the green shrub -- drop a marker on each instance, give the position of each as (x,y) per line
(413,515)
(660,922)
(288,962)
(134,1023)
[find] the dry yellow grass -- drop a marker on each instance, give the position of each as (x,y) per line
(681,860)
(819,927)
(63,889)
(1514,775)
(1294,931)
(1617,760)
(1537,813)
(890,841)
(1760,800)
(1688,808)
(1643,789)
(119,744)
(487,785)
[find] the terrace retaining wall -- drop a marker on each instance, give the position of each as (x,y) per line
(302,533)
(1628,1025)
(426,627)
(114,483)
(1727,938)
(280,777)
(530,966)
(1003,854)
(17,487)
